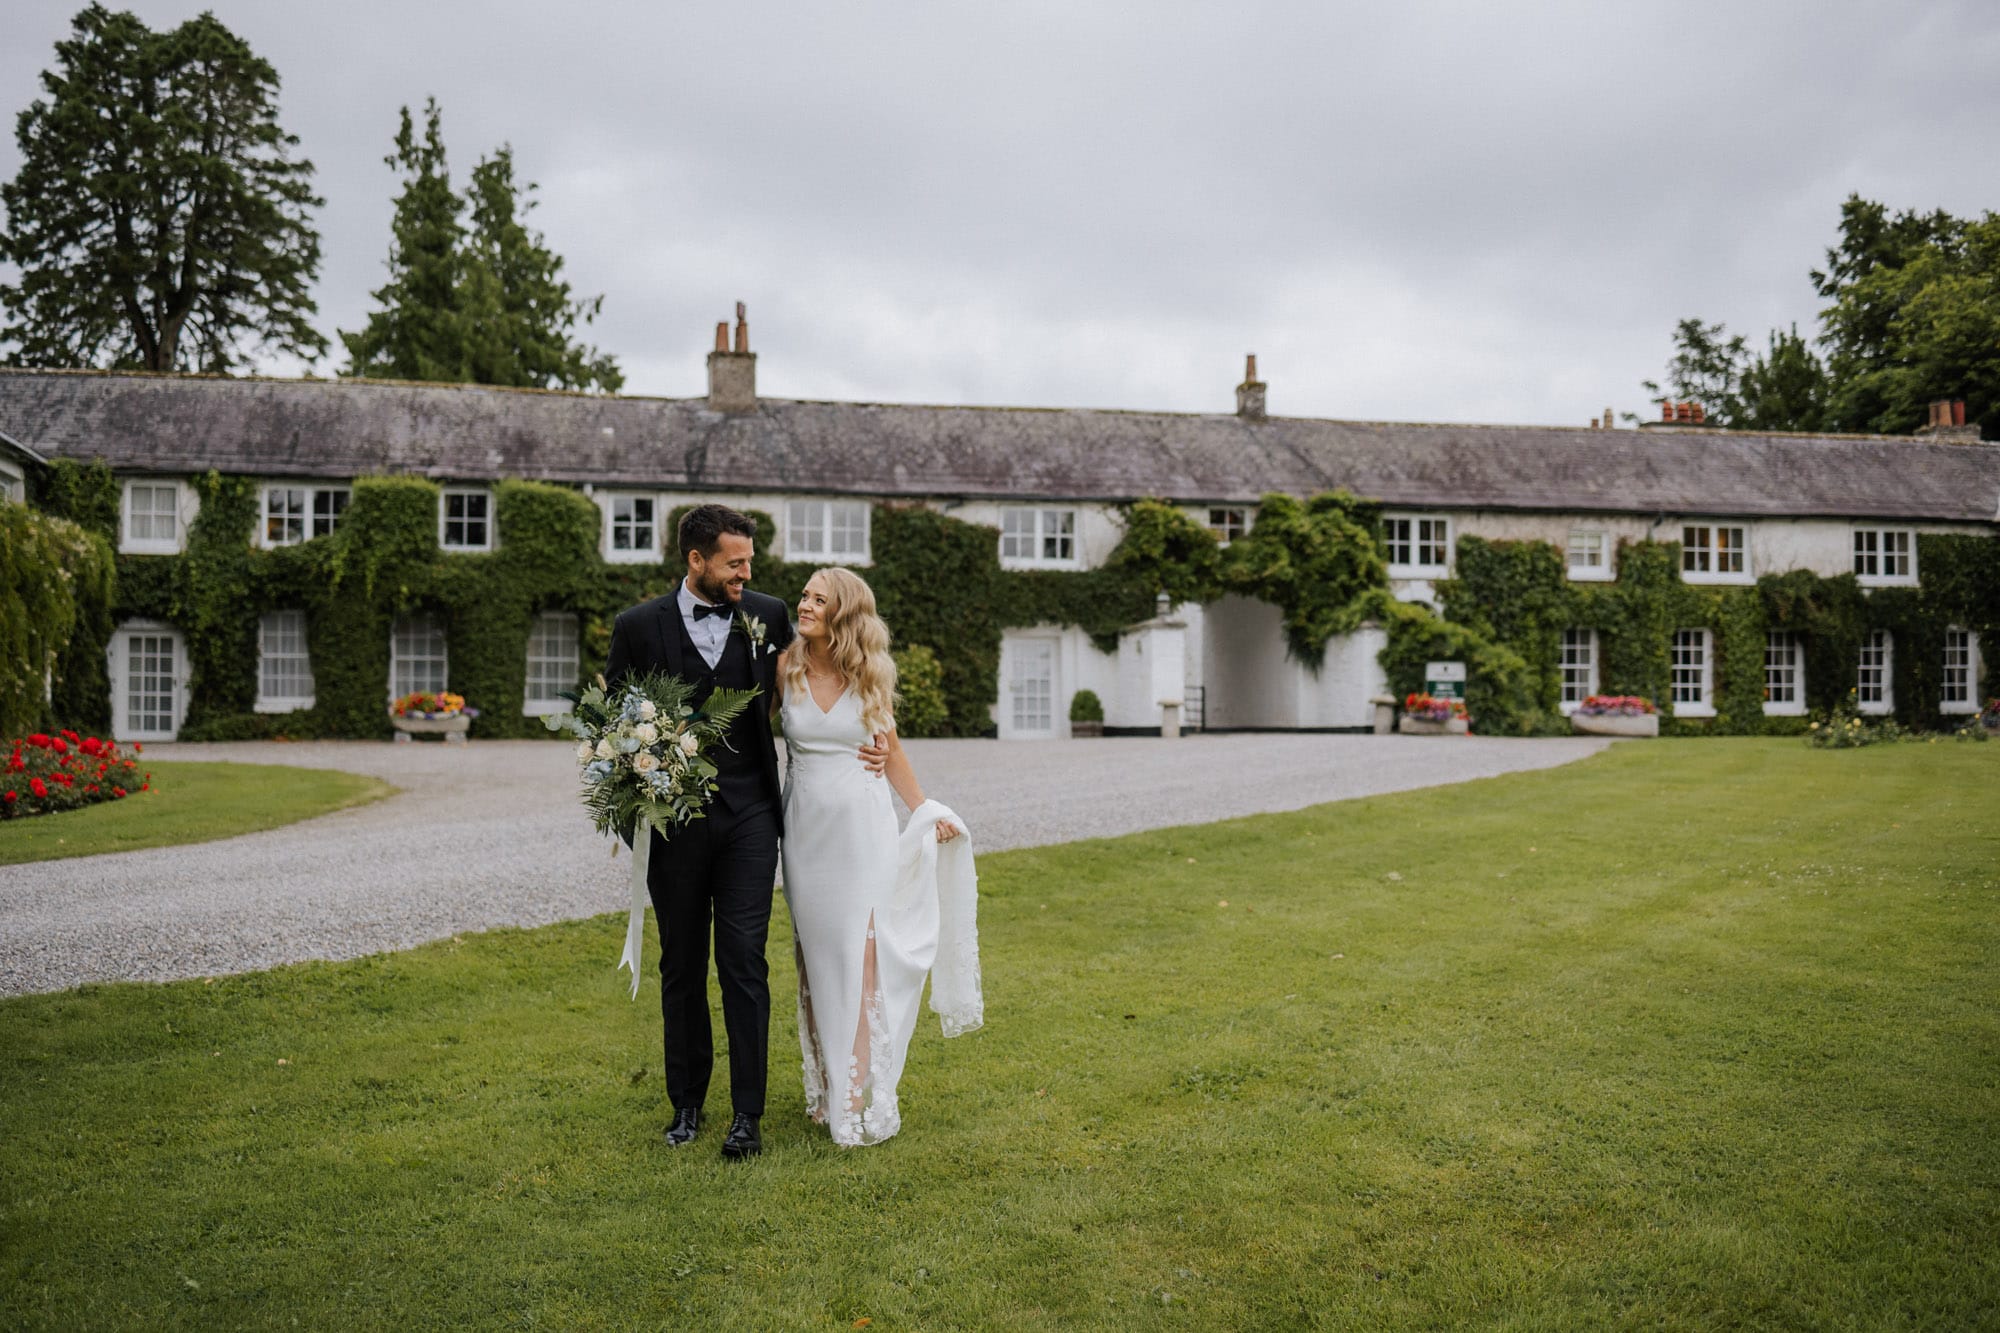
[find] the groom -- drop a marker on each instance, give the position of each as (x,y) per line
(717,634)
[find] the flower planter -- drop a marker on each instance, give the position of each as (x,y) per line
(1079,730)
(452,728)
(1417,726)
(1615,724)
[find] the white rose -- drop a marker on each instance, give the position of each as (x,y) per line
(583,752)
(690,744)
(646,732)
(647,712)
(644,762)
(604,750)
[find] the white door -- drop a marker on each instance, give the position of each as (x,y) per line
(1028,710)
(148,683)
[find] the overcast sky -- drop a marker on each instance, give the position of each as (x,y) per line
(1416,212)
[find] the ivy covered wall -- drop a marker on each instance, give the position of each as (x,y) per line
(939,583)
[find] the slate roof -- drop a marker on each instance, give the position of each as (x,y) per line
(345,428)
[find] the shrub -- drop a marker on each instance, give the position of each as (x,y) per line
(1085,706)
(44,774)
(921,709)
(1843,728)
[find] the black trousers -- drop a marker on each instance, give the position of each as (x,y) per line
(717,870)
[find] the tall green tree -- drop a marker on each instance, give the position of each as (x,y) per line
(520,313)
(159,218)
(1706,368)
(480,301)
(420,331)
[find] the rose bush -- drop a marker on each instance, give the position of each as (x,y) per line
(44,774)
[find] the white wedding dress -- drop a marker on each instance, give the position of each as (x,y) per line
(868,908)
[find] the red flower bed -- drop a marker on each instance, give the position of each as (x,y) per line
(1427,708)
(44,774)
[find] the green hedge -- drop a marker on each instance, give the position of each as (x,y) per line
(55,587)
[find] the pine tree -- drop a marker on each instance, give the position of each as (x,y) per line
(420,331)
(520,312)
(481,304)
(159,219)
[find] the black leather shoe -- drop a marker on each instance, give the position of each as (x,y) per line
(687,1123)
(742,1139)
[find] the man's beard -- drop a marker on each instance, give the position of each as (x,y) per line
(712,589)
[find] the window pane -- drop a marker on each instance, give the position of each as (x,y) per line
(1690,666)
(1872,685)
(1694,551)
(327,509)
(552,657)
(1579,665)
(285,665)
(1397,531)
(1781,668)
(1957,666)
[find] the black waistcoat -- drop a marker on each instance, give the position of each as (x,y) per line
(741,776)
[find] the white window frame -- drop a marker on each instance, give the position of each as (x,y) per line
(397,658)
(1703,560)
(1226,528)
(1412,535)
(1033,527)
(608,503)
(1784,674)
(1701,641)
(283,703)
(444,509)
(309,515)
(1576,652)
(153,545)
(809,529)
(13,483)
(1885,557)
(118,665)
(568,666)
(1588,543)
(1878,654)
(1971,666)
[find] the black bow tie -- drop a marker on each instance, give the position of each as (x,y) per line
(702,609)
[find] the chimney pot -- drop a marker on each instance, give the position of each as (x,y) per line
(1958,411)
(1250,393)
(732,374)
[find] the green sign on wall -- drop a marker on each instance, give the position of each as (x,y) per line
(1444,680)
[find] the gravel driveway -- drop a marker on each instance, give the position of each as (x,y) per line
(516,849)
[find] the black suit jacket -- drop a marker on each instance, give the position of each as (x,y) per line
(645,639)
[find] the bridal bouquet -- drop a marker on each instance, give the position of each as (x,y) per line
(643,748)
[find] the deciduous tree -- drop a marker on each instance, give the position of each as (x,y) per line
(159,219)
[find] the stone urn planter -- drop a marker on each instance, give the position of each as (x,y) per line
(1615,724)
(1418,726)
(452,728)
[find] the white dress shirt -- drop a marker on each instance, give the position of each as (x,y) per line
(710,633)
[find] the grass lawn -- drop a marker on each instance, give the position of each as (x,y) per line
(1694,1034)
(188,803)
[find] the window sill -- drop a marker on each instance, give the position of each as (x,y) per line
(1720,580)
(1879,582)
(1958,710)
(149,548)
(1588,575)
(1016,562)
(616,557)
(465,550)
(1419,571)
(281,705)
(1784,710)
(544,707)
(1875,710)
(862,561)
(1694,710)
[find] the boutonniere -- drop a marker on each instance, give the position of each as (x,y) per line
(754,630)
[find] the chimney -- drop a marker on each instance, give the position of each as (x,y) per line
(1947,424)
(1250,393)
(732,374)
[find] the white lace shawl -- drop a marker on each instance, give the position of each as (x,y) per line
(923,865)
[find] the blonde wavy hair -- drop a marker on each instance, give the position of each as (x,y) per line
(859,641)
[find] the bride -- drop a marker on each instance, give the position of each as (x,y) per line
(868,906)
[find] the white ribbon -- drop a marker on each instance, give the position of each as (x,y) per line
(635,925)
